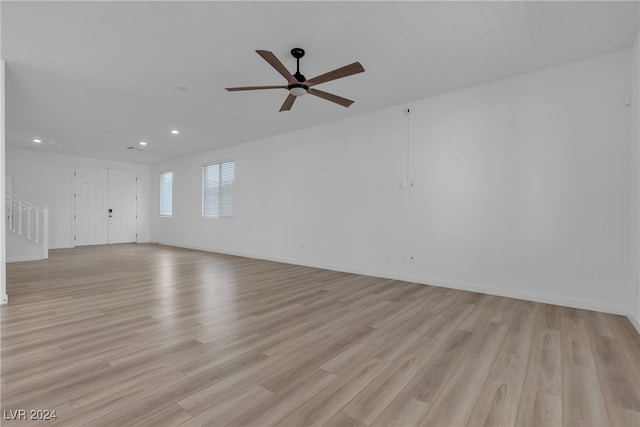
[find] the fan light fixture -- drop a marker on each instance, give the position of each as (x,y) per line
(298,90)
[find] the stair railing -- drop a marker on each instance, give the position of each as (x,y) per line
(29,221)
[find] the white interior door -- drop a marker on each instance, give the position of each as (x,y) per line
(122,206)
(91,197)
(105,206)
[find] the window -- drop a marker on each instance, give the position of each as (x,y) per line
(217,190)
(166,194)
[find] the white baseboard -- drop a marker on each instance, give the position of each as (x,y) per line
(24,258)
(464,286)
(526,295)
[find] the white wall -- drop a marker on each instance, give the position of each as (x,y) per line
(635,195)
(46,179)
(20,249)
(521,189)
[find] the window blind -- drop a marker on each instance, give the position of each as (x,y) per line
(217,190)
(166,194)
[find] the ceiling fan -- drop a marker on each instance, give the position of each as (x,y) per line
(298,85)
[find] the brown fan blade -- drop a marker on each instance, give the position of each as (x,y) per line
(288,103)
(331,97)
(275,63)
(338,73)
(233,89)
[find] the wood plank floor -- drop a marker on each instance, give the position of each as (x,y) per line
(152,335)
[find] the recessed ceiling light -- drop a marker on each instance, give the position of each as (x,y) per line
(175,131)
(143,143)
(37,141)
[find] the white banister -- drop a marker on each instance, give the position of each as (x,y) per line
(29,221)
(45,232)
(20,217)
(29,214)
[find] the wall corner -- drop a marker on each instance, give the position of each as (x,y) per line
(3,232)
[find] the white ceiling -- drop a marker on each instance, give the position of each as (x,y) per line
(97,77)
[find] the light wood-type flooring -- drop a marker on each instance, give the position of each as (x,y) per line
(150,335)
